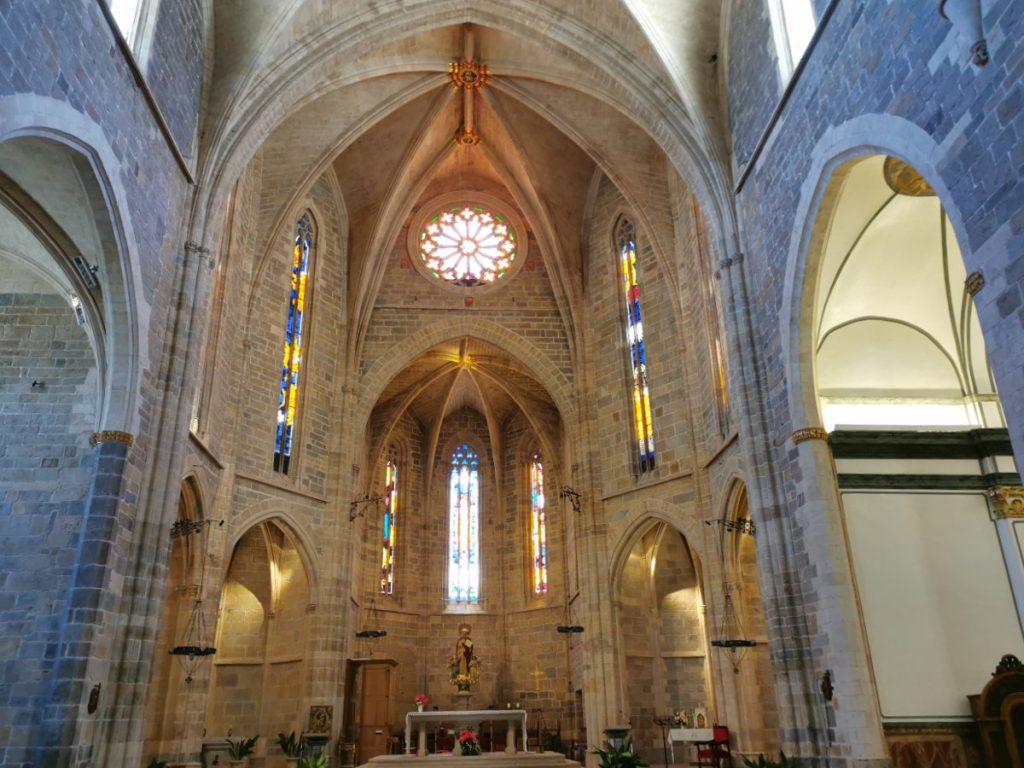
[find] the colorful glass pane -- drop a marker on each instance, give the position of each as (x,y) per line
(288,401)
(468,246)
(387,559)
(538,527)
(464,527)
(643,422)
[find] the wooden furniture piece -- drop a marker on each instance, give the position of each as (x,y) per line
(999,714)
(717,749)
(370,707)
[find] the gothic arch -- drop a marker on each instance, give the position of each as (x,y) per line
(651,514)
(27,116)
(271,511)
(685,141)
(385,368)
(833,155)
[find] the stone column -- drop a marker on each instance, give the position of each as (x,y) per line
(138,582)
(806,583)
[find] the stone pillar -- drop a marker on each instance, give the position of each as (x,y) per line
(138,575)
(806,583)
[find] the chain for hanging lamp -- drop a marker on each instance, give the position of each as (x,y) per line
(193,646)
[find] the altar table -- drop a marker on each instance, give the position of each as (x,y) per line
(689,735)
(463,719)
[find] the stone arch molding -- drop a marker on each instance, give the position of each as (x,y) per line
(271,510)
(386,368)
(297,80)
(839,146)
(127,313)
(650,513)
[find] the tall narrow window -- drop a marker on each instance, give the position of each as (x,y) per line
(643,423)
(464,527)
(538,527)
(291,364)
(793,24)
(387,558)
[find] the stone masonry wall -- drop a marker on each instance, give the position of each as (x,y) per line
(910,91)
(175,69)
(47,463)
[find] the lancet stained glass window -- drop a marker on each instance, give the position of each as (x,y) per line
(288,402)
(468,245)
(464,527)
(538,527)
(387,558)
(643,422)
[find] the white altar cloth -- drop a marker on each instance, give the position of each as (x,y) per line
(463,718)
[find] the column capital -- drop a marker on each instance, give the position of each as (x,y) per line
(1007,501)
(809,433)
(112,436)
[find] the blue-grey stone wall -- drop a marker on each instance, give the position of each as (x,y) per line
(755,85)
(175,69)
(57,58)
(45,464)
(902,69)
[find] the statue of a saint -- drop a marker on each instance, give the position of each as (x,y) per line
(463,651)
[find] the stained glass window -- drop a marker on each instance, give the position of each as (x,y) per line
(468,245)
(538,527)
(464,527)
(643,423)
(387,557)
(288,402)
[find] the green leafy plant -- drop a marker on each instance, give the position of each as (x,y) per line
(766,762)
(242,747)
(620,757)
(291,746)
(154,763)
(313,761)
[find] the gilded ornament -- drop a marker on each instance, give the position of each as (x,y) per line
(810,433)
(903,179)
(1007,501)
(112,436)
(467,75)
(974,282)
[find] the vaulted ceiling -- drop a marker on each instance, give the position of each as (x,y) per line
(358,92)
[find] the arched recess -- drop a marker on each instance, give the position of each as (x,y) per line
(886,345)
(168,688)
(662,639)
(58,187)
(258,679)
(757,705)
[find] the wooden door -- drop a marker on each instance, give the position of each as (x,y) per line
(375,708)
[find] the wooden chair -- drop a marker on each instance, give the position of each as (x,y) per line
(716,750)
(999,714)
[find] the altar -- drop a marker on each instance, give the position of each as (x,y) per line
(464,719)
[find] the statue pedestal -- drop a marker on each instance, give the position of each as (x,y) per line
(462,699)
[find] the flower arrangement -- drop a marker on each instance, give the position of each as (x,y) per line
(463,680)
(421,699)
(469,742)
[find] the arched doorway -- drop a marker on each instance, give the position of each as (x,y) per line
(758,728)
(258,680)
(662,638)
(165,720)
(903,385)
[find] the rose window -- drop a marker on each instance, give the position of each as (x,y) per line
(467,245)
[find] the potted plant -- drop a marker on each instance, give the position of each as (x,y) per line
(421,701)
(292,747)
(240,750)
(313,761)
(620,757)
(469,742)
